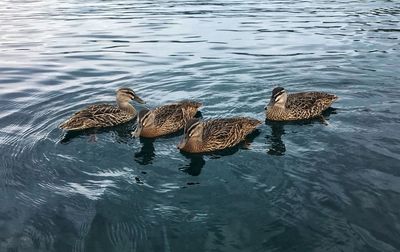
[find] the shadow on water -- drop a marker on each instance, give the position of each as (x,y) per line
(277,146)
(197,162)
(122,132)
(146,154)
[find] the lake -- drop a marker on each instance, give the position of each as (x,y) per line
(306,186)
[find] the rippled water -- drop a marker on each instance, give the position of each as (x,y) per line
(297,187)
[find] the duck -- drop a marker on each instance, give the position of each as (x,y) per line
(166,119)
(201,136)
(297,106)
(104,115)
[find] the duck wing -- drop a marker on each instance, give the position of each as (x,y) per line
(223,133)
(316,101)
(171,117)
(98,115)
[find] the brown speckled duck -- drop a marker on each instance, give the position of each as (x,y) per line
(166,119)
(217,134)
(104,115)
(298,106)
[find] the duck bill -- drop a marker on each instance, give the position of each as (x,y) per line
(137,132)
(182,143)
(138,99)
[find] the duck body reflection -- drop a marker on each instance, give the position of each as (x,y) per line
(147,152)
(277,145)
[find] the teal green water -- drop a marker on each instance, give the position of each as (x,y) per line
(295,187)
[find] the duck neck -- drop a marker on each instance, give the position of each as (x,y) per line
(193,146)
(127,107)
(275,111)
(279,106)
(276,107)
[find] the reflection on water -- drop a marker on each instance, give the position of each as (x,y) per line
(147,151)
(277,145)
(196,163)
(146,154)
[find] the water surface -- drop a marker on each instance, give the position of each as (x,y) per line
(308,186)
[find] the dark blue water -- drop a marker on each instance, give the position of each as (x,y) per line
(308,186)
